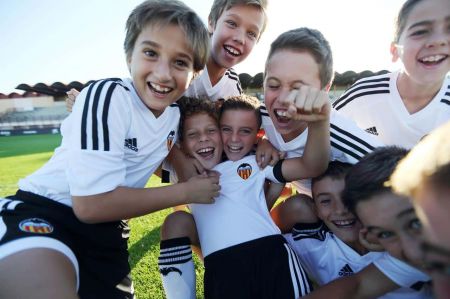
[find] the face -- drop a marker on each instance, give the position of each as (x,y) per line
(201,139)
(424,44)
(235,34)
(393,221)
(288,70)
(433,209)
(238,129)
(330,209)
(161,66)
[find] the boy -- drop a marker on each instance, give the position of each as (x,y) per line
(251,237)
(424,175)
(66,217)
(331,248)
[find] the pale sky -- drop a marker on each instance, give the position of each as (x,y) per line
(80,40)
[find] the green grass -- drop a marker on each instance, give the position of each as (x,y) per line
(21,155)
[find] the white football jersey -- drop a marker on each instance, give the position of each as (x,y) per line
(349,143)
(326,258)
(201,87)
(240,213)
(110,139)
(374,103)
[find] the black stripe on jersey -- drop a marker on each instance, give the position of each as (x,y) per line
(307,285)
(447,94)
(94,108)
(263,110)
(353,141)
(234,76)
(315,230)
(278,173)
(362,81)
(338,105)
(351,91)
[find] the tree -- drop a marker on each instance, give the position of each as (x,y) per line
(245,80)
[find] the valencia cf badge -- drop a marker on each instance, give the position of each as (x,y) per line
(170,138)
(36,226)
(244,171)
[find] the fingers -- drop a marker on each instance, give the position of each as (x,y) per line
(308,104)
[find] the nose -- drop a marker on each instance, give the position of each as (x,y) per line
(239,36)
(438,38)
(339,207)
(162,70)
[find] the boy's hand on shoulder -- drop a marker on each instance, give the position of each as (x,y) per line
(70,100)
(266,153)
(308,104)
(203,188)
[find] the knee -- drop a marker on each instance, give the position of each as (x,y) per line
(179,224)
(295,209)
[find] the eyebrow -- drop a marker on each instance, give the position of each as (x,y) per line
(406,212)
(156,45)
(237,16)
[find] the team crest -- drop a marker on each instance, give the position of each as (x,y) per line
(244,170)
(36,226)
(170,138)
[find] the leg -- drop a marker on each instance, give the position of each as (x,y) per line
(295,209)
(37,273)
(176,266)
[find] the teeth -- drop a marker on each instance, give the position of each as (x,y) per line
(234,148)
(159,88)
(205,150)
(232,51)
(433,58)
(344,222)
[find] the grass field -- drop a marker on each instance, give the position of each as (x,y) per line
(21,155)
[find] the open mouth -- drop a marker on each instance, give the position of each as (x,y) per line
(206,152)
(158,88)
(234,148)
(232,51)
(281,115)
(344,223)
(433,59)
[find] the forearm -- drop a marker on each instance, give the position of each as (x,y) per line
(124,202)
(317,149)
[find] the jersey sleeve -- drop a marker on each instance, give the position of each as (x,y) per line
(349,143)
(399,272)
(100,121)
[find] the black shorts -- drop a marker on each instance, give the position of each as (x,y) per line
(265,268)
(98,251)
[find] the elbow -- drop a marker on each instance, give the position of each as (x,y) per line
(84,212)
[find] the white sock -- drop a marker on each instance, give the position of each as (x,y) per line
(177,268)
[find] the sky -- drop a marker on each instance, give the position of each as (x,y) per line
(81,40)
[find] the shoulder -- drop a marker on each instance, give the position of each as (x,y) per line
(374,85)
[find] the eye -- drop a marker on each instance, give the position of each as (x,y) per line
(150,53)
(419,32)
(246,131)
(226,130)
(181,63)
(192,135)
(385,235)
(231,23)
(252,35)
(212,130)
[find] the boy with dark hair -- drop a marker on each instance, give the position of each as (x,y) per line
(251,241)
(66,217)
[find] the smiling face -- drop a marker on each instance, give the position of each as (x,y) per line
(424,44)
(392,219)
(201,139)
(331,210)
(287,70)
(235,34)
(161,66)
(238,129)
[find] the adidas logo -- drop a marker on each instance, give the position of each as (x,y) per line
(131,143)
(346,271)
(372,130)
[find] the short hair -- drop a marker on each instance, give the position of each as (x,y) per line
(190,106)
(370,175)
(307,40)
(427,163)
(242,102)
(165,12)
(402,17)
(219,6)
(335,170)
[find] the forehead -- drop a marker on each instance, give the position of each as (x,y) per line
(429,11)
(198,121)
(289,66)
(328,185)
(239,118)
(385,210)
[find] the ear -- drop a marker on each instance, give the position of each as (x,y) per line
(210,26)
(394,51)
(129,63)
(327,87)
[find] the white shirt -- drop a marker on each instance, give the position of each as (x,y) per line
(110,139)
(240,213)
(375,104)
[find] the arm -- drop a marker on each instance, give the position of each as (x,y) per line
(266,153)
(185,167)
(312,106)
(124,202)
(368,283)
(70,100)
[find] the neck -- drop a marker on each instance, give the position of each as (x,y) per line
(215,71)
(416,96)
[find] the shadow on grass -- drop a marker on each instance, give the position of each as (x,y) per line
(138,250)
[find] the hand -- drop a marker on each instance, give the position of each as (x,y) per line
(203,188)
(369,241)
(70,100)
(308,104)
(191,167)
(266,153)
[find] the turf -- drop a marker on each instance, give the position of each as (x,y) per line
(21,155)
